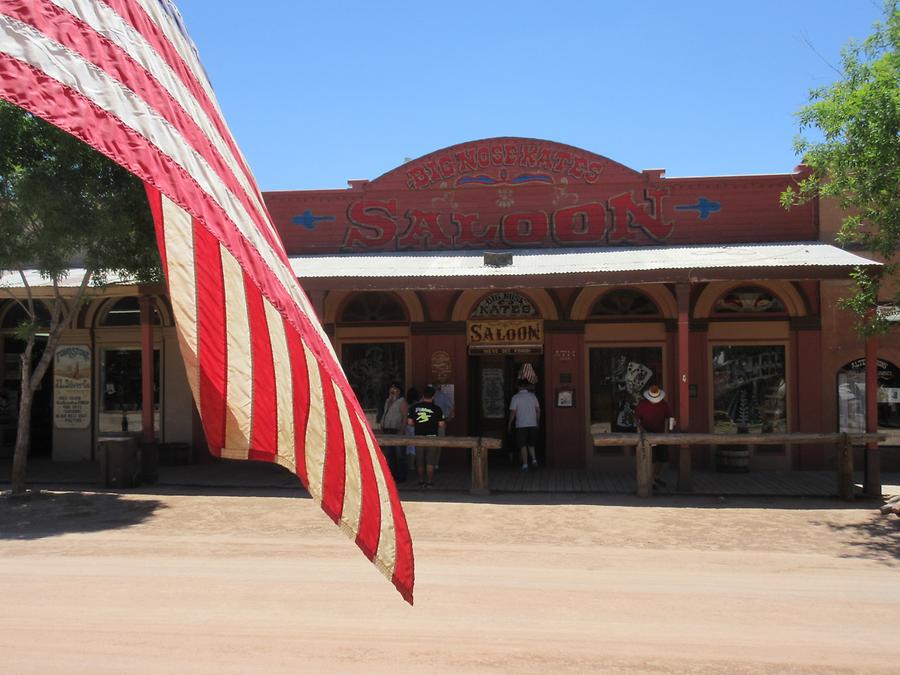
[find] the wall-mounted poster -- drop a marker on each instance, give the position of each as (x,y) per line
(72,387)
(493,404)
(441,367)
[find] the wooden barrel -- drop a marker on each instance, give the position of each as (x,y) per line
(733,459)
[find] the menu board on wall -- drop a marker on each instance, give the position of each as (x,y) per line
(72,387)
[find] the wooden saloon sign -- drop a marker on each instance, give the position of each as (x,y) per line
(505,336)
(513,193)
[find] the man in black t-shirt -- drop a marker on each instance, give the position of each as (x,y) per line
(427,418)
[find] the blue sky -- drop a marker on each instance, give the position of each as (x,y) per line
(317,93)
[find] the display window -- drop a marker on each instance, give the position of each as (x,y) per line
(121,400)
(851,384)
(749,389)
(370,369)
(618,378)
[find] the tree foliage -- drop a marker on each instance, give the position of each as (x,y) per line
(62,205)
(62,202)
(857,160)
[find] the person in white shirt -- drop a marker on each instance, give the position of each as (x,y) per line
(525,411)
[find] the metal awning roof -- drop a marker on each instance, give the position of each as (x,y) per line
(73,278)
(567,267)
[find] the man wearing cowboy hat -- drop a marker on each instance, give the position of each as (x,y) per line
(653,414)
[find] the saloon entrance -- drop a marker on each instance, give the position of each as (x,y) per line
(493,382)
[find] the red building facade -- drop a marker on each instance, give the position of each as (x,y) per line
(459,268)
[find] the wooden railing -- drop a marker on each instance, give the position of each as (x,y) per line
(644,441)
(479,445)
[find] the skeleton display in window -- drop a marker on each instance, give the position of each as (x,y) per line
(630,378)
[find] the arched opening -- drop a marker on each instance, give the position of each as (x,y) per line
(371,363)
(753,300)
(373,307)
(624,302)
(125,312)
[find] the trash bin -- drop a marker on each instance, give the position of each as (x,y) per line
(149,462)
(118,455)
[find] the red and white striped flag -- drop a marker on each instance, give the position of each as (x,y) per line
(124,77)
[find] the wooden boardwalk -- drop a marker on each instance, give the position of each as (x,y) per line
(501,479)
(753,484)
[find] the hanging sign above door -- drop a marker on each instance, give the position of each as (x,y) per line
(505,337)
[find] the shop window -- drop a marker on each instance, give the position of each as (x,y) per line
(749,390)
(852,396)
(373,307)
(748,300)
(504,305)
(121,402)
(618,378)
(370,369)
(624,302)
(126,312)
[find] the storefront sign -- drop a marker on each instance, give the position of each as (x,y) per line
(504,304)
(505,337)
(624,218)
(72,387)
(528,161)
(885,369)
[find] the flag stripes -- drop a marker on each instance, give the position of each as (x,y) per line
(123,76)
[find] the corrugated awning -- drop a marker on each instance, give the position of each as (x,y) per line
(72,279)
(566,267)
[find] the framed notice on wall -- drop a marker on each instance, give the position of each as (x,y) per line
(565,398)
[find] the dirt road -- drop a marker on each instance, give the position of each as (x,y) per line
(190,583)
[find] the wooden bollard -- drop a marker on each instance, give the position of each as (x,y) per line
(643,457)
(479,470)
(846,486)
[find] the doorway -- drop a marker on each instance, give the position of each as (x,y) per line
(42,401)
(492,383)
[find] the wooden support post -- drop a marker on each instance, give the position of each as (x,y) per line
(846,486)
(683,296)
(149,452)
(145,302)
(643,455)
(479,470)
(872,481)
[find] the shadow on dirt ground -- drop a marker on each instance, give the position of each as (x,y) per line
(48,514)
(876,539)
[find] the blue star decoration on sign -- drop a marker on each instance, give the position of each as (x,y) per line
(704,207)
(308,220)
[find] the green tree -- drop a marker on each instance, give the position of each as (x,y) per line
(62,205)
(857,160)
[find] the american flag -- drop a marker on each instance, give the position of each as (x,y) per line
(124,77)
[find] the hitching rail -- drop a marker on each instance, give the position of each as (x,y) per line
(644,442)
(479,445)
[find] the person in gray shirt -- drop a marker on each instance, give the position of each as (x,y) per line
(524,413)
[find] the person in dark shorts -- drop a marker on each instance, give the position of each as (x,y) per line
(524,413)
(653,414)
(427,419)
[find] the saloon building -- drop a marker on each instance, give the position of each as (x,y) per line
(491,260)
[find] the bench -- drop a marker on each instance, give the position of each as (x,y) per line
(479,445)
